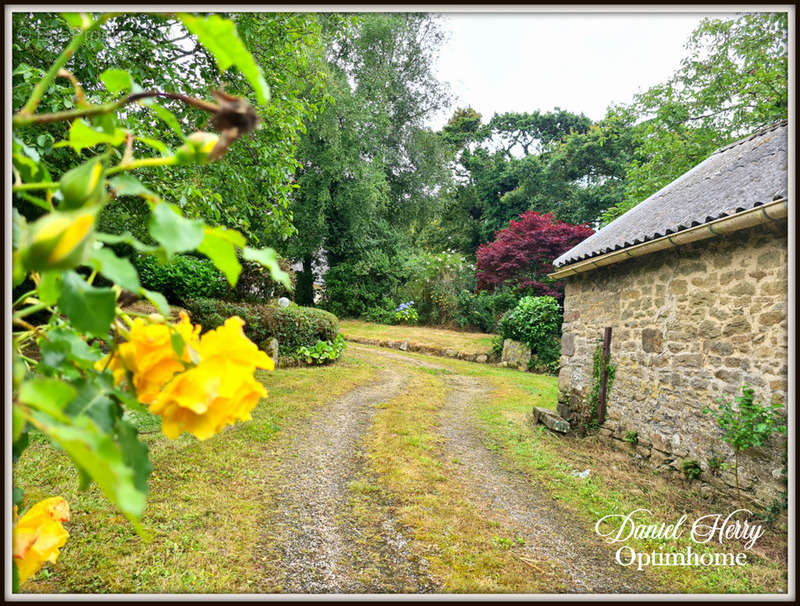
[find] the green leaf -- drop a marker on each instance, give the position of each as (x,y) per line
(18,494)
(49,288)
(116,80)
(79,351)
(168,118)
(79,21)
(177,342)
(97,455)
(119,271)
(17,423)
(134,454)
(90,309)
(18,227)
(125,238)
(47,395)
(93,401)
(157,299)
(155,144)
(128,185)
(219,36)
(174,232)
(82,135)
(269,259)
(53,353)
(219,248)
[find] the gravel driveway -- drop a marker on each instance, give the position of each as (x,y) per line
(316,535)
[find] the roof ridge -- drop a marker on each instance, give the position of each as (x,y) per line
(763,130)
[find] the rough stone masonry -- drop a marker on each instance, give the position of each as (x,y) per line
(690,325)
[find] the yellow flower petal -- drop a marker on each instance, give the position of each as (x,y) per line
(38,535)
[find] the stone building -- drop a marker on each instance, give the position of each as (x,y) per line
(694,283)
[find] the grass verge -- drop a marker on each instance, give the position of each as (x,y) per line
(467,342)
(618,483)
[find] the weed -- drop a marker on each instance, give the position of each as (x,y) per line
(692,469)
(632,437)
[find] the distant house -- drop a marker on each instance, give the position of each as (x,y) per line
(694,283)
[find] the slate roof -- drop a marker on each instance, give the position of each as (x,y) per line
(736,177)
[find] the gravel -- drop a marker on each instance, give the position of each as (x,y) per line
(317,535)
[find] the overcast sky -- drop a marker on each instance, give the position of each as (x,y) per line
(580,62)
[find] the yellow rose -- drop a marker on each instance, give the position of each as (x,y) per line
(38,535)
(219,391)
(149,356)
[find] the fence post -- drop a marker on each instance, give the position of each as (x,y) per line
(605,355)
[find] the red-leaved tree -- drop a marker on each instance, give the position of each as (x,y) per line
(522,254)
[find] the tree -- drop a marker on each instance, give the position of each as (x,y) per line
(550,162)
(370,172)
(522,255)
(159,53)
(733,81)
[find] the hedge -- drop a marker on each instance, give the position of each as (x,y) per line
(293,326)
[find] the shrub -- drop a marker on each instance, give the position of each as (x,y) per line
(406,313)
(353,287)
(692,469)
(380,315)
(483,310)
(434,283)
(323,352)
(185,277)
(535,321)
(747,424)
(294,326)
(256,285)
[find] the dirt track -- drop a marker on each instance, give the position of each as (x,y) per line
(316,535)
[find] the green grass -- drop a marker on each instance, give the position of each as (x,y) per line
(441,338)
(467,550)
(618,485)
(206,505)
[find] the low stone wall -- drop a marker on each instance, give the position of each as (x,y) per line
(420,348)
(690,325)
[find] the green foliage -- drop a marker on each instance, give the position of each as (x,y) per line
(353,287)
(405,313)
(715,465)
(535,321)
(381,314)
(747,424)
(322,352)
(733,80)
(589,419)
(434,284)
(691,469)
(631,437)
(293,326)
(184,277)
(371,172)
(483,310)
(83,225)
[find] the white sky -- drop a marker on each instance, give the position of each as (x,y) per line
(581,62)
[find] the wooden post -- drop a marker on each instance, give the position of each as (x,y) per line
(605,355)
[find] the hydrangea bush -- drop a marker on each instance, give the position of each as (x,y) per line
(406,313)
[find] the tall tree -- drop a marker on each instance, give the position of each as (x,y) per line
(733,80)
(370,170)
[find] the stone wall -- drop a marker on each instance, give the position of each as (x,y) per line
(690,324)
